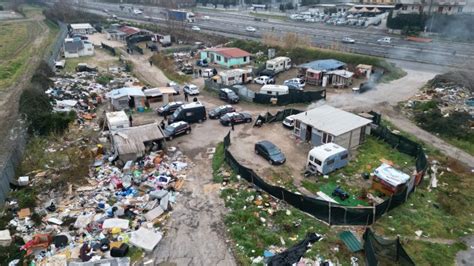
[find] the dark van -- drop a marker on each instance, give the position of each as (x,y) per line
(191,113)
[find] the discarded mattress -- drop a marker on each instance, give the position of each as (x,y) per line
(5,238)
(391,175)
(116,223)
(145,239)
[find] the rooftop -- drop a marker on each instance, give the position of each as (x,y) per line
(323,65)
(132,139)
(324,151)
(230,52)
(127,91)
(331,120)
(81,26)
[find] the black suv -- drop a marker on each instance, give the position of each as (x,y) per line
(219,111)
(177,129)
(169,108)
(228,95)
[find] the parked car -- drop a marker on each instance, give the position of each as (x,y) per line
(219,111)
(176,129)
(348,40)
(251,29)
(263,80)
(236,118)
(191,89)
(195,28)
(192,112)
(386,40)
(168,108)
(206,17)
(187,69)
(270,152)
(173,85)
(300,83)
(202,63)
(228,95)
(289,121)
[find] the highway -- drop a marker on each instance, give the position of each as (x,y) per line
(445,53)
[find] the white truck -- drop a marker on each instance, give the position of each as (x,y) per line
(278,64)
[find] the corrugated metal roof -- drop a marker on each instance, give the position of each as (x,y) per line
(351,241)
(118,93)
(323,65)
(331,120)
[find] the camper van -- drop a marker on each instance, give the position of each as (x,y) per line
(278,64)
(274,90)
(191,113)
(327,158)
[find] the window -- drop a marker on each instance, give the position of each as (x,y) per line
(330,162)
(245,59)
(316,161)
(404,7)
(231,78)
(297,127)
(343,157)
(449,8)
(327,138)
(225,59)
(311,158)
(218,57)
(459,9)
(123,102)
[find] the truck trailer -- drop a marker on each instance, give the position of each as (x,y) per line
(181,15)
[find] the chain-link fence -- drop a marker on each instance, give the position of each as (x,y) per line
(55,51)
(332,213)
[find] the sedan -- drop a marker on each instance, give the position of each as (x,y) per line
(195,28)
(176,129)
(270,152)
(169,108)
(251,29)
(236,118)
(297,82)
(217,112)
(348,40)
(263,80)
(191,89)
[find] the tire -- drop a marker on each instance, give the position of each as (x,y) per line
(188,131)
(170,138)
(270,161)
(200,121)
(248,120)
(256,151)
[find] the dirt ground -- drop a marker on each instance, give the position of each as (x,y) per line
(98,38)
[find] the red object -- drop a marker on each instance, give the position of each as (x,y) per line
(418,39)
(229,52)
(41,241)
(116,182)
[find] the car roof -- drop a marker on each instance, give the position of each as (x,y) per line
(267,144)
(224,106)
(179,123)
(226,90)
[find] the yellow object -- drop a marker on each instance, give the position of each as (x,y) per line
(116,230)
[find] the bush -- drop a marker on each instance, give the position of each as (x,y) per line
(406,21)
(104,79)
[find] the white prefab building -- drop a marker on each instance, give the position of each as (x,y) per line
(325,124)
(117,120)
(278,64)
(82,28)
(76,48)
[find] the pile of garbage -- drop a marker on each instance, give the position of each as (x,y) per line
(80,92)
(99,219)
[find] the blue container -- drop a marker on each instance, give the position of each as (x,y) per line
(141,109)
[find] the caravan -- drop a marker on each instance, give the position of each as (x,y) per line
(274,90)
(327,158)
(278,64)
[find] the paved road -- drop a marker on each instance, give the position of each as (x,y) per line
(321,35)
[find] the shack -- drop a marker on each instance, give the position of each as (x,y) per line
(153,94)
(389,180)
(340,78)
(117,120)
(233,77)
(81,28)
(133,142)
(314,71)
(325,124)
(126,98)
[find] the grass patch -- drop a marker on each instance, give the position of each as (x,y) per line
(466,145)
(166,64)
(135,254)
(71,63)
(268,16)
(26,197)
(424,253)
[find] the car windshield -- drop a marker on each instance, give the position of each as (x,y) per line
(232,94)
(175,114)
(273,150)
(169,129)
(218,109)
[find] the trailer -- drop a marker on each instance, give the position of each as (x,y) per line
(278,64)
(235,76)
(327,158)
(180,15)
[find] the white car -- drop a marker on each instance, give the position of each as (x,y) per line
(206,17)
(289,121)
(296,82)
(250,29)
(385,40)
(191,89)
(196,28)
(263,80)
(348,40)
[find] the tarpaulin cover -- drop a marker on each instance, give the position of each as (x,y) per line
(293,254)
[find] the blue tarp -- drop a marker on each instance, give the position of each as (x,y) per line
(323,65)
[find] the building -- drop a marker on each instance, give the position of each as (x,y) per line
(81,28)
(227,57)
(326,124)
(133,142)
(433,6)
(75,47)
(117,120)
(127,98)
(122,33)
(315,71)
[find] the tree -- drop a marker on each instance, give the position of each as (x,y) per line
(282,8)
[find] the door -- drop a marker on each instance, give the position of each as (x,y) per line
(362,135)
(309,131)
